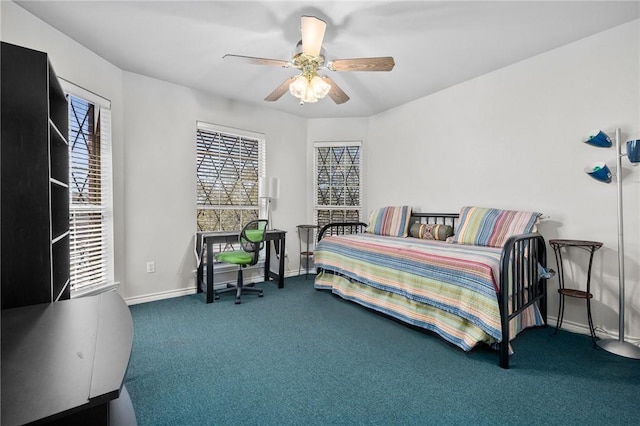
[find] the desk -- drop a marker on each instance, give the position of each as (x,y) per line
(591,247)
(65,362)
(208,239)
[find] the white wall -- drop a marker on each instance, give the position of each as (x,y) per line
(154,158)
(160,196)
(512,139)
(82,67)
(508,139)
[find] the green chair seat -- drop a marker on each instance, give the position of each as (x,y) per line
(237,257)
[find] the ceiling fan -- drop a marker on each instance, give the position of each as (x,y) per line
(309,57)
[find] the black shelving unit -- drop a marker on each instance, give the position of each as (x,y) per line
(35,180)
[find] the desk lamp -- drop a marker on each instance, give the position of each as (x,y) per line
(269,189)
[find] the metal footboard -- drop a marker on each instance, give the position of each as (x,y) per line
(521,284)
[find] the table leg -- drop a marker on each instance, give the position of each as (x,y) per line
(281,265)
(200,277)
(267,261)
(558,255)
(592,329)
(210,294)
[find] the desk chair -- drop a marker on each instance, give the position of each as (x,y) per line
(251,241)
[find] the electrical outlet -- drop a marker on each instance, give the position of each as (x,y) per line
(151,267)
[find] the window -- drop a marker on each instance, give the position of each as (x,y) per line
(337,182)
(90,194)
(229,164)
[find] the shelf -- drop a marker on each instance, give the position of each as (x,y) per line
(61,264)
(58,107)
(64,293)
(575,293)
(58,155)
(59,210)
(59,237)
(58,183)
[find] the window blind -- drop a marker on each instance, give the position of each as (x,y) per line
(229,165)
(90,193)
(337,182)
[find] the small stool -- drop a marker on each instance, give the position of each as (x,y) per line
(591,247)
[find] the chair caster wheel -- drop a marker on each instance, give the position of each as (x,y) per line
(260,295)
(237,301)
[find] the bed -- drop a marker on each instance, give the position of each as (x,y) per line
(482,285)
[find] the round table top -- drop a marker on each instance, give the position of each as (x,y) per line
(307,226)
(575,243)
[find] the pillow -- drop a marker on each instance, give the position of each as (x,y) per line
(390,221)
(492,227)
(431,231)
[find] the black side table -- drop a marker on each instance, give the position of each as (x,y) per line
(308,232)
(591,247)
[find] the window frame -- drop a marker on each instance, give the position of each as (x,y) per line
(102,109)
(260,204)
(336,207)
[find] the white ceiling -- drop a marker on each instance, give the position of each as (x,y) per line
(435,44)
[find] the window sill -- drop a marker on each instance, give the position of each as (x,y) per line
(94,290)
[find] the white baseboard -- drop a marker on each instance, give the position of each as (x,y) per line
(573,327)
(160,296)
(192,290)
(584,329)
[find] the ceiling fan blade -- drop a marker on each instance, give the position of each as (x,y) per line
(256,61)
(336,93)
(312,35)
(280,90)
(384,63)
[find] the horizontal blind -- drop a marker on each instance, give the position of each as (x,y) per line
(90,184)
(337,182)
(229,164)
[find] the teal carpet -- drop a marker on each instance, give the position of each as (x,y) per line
(300,356)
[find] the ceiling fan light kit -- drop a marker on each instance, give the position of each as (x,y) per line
(309,57)
(309,90)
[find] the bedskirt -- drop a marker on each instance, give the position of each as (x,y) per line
(446,288)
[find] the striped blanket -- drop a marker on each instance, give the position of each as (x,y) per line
(450,289)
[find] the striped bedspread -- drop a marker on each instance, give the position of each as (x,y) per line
(450,289)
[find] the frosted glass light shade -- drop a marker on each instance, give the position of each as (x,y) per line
(309,90)
(299,86)
(320,87)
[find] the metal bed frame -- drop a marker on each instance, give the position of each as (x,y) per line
(521,256)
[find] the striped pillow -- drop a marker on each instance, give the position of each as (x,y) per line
(492,227)
(390,221)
